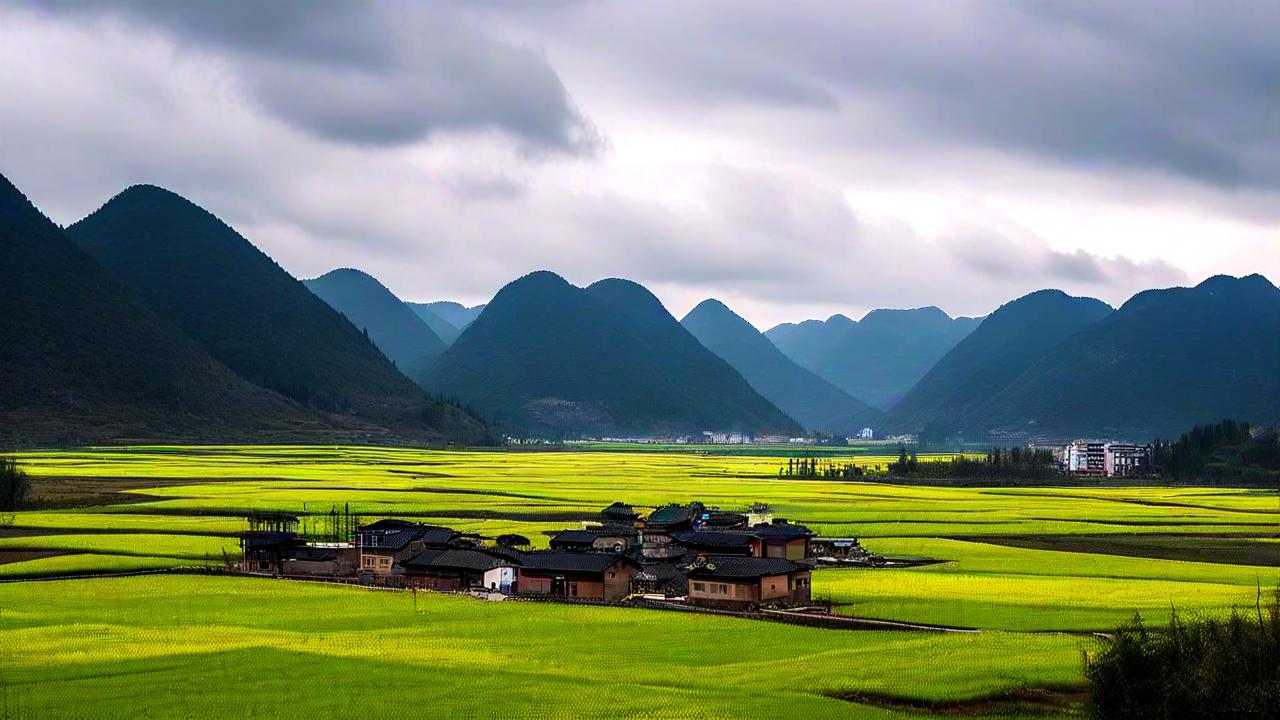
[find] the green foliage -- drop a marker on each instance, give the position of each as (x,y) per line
(1198,668)
(1225,452)
(13,484)
(1016,464)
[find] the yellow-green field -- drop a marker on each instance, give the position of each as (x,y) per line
(138,642)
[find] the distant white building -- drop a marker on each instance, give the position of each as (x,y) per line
(1109,459)
(867,434)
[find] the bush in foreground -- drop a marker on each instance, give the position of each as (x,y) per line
(13,484)
(1199,668)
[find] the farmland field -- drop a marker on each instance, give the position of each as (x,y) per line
(1035,571)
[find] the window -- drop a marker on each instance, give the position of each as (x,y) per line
(699,587)
(722,589)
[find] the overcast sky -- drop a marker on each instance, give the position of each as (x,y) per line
(792,159)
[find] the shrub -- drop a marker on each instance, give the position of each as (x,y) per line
(13,484)
(1201,668)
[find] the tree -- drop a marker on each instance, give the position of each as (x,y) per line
(13,484)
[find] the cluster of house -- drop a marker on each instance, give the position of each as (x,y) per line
(1105,458)
(691,553)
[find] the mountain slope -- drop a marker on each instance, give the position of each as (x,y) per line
(808,342)
(445,330)
(397,331)
(1163,362)
(816,403)
(456,314)
(240,306)
(82,362)
(1007,342)
(547,357)
(887,352)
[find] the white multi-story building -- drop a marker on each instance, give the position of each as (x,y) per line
(1109,459)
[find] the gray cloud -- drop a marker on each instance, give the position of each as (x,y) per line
(376,73)
(1181,87)
(753,180)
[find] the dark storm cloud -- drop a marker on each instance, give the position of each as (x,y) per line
(367,73)
(1181,87)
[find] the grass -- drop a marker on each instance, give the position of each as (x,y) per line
(1018,561)
(1007,588)
(159,646)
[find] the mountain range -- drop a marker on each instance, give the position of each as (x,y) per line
(81,361)
(814,402)
(1164,361)
(552,358)
(237,304)
(878,358)
(152,320)
(957,391)
(396,329)
(446,317)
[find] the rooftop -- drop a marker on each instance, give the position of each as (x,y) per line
(743,568)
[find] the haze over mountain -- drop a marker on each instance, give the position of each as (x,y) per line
(456,314)
(816,403)
(445,330)
(396,329)
(878,358)
(240,306)
(1163,362)
(959,387)
(809,342)
(549,357)
(81,361)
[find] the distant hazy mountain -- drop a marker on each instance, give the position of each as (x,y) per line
(1007,342)
(82,362)
(1163,362)
(809,342)
(880,357)
(443,329)
(396,329)
(608,359)
(240,306)
(816,403)
(456,314)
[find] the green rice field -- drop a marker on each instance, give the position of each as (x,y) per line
(1035,572)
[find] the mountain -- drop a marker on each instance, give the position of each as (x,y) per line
(547,357)
(1007,342)
(456,314)
(445,330)
(816,403)
(82,362)
(882,356)
(1164,361)
(241,307)
(808,342)
(396,329)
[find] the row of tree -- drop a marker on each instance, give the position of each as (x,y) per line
(998,463)
(1225,452)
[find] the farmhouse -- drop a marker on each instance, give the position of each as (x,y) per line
(705,555)
(385,544)
(747,582)
(458,568)
(585,576)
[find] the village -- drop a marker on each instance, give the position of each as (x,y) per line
(688,554)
